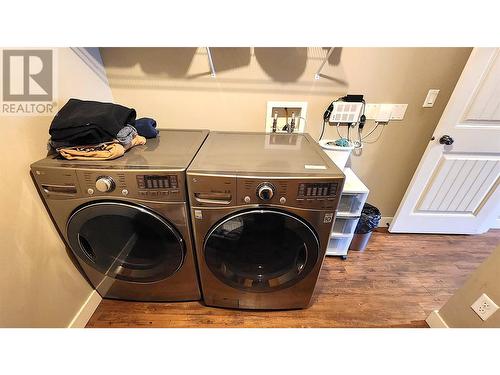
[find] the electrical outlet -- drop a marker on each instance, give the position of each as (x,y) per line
(484,307)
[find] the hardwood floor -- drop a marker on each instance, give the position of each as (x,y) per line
(396,282)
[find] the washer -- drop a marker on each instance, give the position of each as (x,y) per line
(262,207)
(127,220)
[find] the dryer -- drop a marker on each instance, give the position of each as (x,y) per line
(126,221)
(262,208)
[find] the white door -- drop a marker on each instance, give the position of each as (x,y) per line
(455,188)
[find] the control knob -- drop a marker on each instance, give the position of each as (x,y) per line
(265,191)
(105,184)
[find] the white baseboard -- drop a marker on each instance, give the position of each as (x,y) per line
(434,320)
(85,313)
(385,221)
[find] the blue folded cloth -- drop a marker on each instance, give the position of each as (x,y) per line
(146,127)
(126,135)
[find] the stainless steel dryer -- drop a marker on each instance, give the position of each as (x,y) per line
(127,220)
(262,207)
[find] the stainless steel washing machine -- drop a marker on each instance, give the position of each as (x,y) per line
(262,207)
(127,220)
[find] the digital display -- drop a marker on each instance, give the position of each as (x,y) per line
(328,189)
(157,182)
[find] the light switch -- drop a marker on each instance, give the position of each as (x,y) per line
(430,99)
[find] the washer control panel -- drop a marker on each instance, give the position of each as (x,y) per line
(303,193)
(322,189)
(131,184)
(226,191)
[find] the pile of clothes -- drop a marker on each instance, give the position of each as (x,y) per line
(90,130)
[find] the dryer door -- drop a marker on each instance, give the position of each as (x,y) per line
(261,250)
(125,242)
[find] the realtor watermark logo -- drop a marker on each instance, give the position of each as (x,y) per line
(28,82)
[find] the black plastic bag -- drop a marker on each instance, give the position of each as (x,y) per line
(369,219)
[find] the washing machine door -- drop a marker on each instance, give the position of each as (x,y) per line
(261,250)
(125,242)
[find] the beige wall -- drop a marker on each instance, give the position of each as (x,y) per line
(39,285)
(173,85)
(457,312)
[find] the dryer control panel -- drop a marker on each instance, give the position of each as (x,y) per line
(150,182)
(156,186)
(64,183)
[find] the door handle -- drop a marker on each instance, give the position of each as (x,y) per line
(446,140)
(213,198)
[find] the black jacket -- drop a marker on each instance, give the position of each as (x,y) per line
(82,122)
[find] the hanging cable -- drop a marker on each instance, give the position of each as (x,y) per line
(377,123)
(338,132)
(322,130)
(378,136)
(357,143)
(326,117)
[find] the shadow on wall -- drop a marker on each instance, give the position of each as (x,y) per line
(227,58)
(230,58)
(288,64)
(174,62)
(282,65)
(335,57)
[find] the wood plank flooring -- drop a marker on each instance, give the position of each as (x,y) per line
(396,282)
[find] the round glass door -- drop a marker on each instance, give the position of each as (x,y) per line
(125,242)
(261,250)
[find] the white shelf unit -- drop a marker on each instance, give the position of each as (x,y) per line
(351,203)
